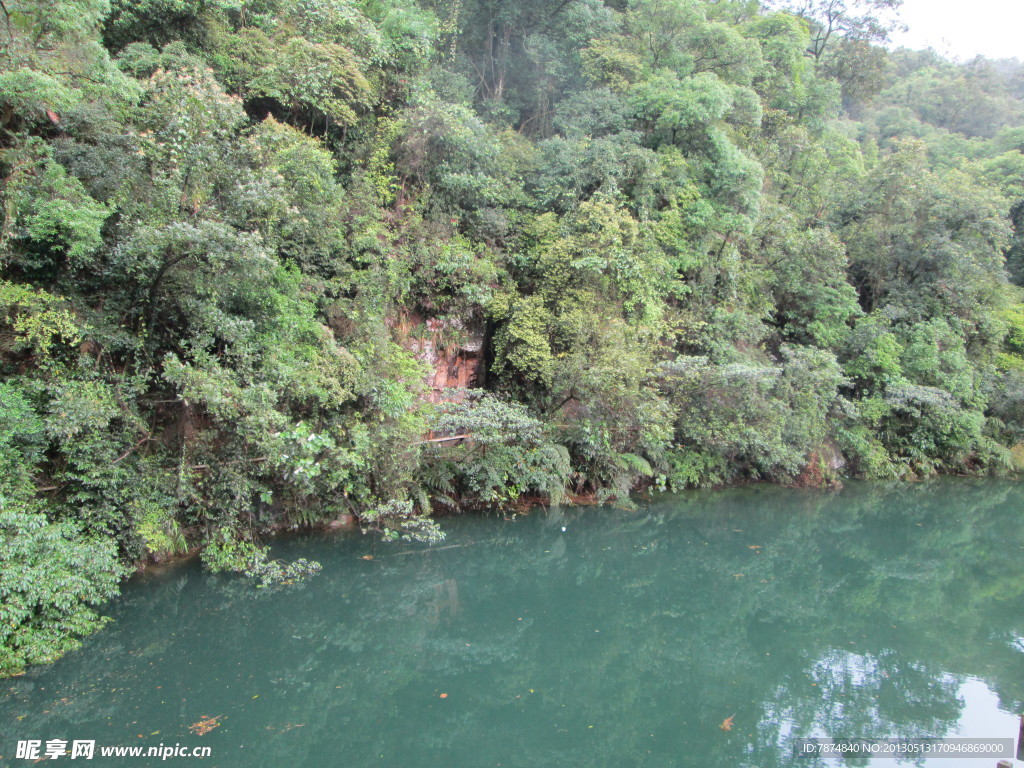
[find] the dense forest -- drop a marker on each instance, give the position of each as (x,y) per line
(247,245)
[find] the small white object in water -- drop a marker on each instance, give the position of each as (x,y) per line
(563,529)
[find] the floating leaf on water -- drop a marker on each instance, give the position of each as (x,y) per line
(205,725)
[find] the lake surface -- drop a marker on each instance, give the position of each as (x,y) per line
(575,637)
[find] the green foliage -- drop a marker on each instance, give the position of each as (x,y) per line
(35,319)
(325,78)
(53,69)
(22,443)
(51,579)
(668,243)
(158,528)
(49,213)
(225,552)
(397,520)
(744,420)
(159,22)
(497,453)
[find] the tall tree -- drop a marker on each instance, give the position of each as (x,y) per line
(870,21)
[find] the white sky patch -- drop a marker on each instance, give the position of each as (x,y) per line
(963,29)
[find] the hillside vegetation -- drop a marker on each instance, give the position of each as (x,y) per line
(691,243)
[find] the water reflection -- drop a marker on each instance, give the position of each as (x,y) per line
(629,638)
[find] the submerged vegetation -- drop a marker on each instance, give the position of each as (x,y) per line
(689,243)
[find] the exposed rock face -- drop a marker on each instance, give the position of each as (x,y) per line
(455,353)
(833,457)
(823,469)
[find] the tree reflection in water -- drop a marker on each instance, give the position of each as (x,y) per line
(627,639)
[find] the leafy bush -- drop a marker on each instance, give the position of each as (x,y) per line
(742,420)
(51,580)
(497,453)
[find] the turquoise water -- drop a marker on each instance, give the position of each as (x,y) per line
(575,637)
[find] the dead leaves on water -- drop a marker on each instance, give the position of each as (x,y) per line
(205,725)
